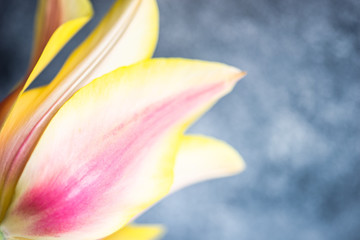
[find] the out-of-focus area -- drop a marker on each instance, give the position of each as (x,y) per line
(294,117)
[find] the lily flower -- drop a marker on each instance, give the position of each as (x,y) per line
(82,157)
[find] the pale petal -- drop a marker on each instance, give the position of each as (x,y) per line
(57,22)
(201,158)
(127,34)
(109,152)
(138,232)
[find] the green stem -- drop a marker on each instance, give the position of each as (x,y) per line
(2,236)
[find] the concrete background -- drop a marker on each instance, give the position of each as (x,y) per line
(294,118)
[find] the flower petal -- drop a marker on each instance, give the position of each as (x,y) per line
(201,158)
(127,34)
(109,152)
(57,22)
(6,135)
(137,232)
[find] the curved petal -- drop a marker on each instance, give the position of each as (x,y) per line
(138,232)
(27,97)
(57,21)
(109,152)
(201,158)
(127,34)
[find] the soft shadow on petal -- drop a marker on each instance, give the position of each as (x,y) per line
(109,152)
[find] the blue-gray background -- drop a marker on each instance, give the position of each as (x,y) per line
(294,118)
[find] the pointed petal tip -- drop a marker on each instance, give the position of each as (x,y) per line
(239,164)
(227,73)
(241,74)
(238,75)
(202,158)
(234,161)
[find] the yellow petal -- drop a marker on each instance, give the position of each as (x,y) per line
(25,99)
(127,34)
(57,22)
(201,158)
(138,232)
(109,152)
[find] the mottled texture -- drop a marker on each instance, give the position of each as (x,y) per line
(294,118)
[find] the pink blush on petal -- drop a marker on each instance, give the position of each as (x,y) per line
(69,203)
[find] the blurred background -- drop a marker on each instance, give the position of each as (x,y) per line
(294,117)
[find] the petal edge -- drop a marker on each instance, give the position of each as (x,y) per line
(201,158)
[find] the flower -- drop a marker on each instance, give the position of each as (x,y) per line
(104,141)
